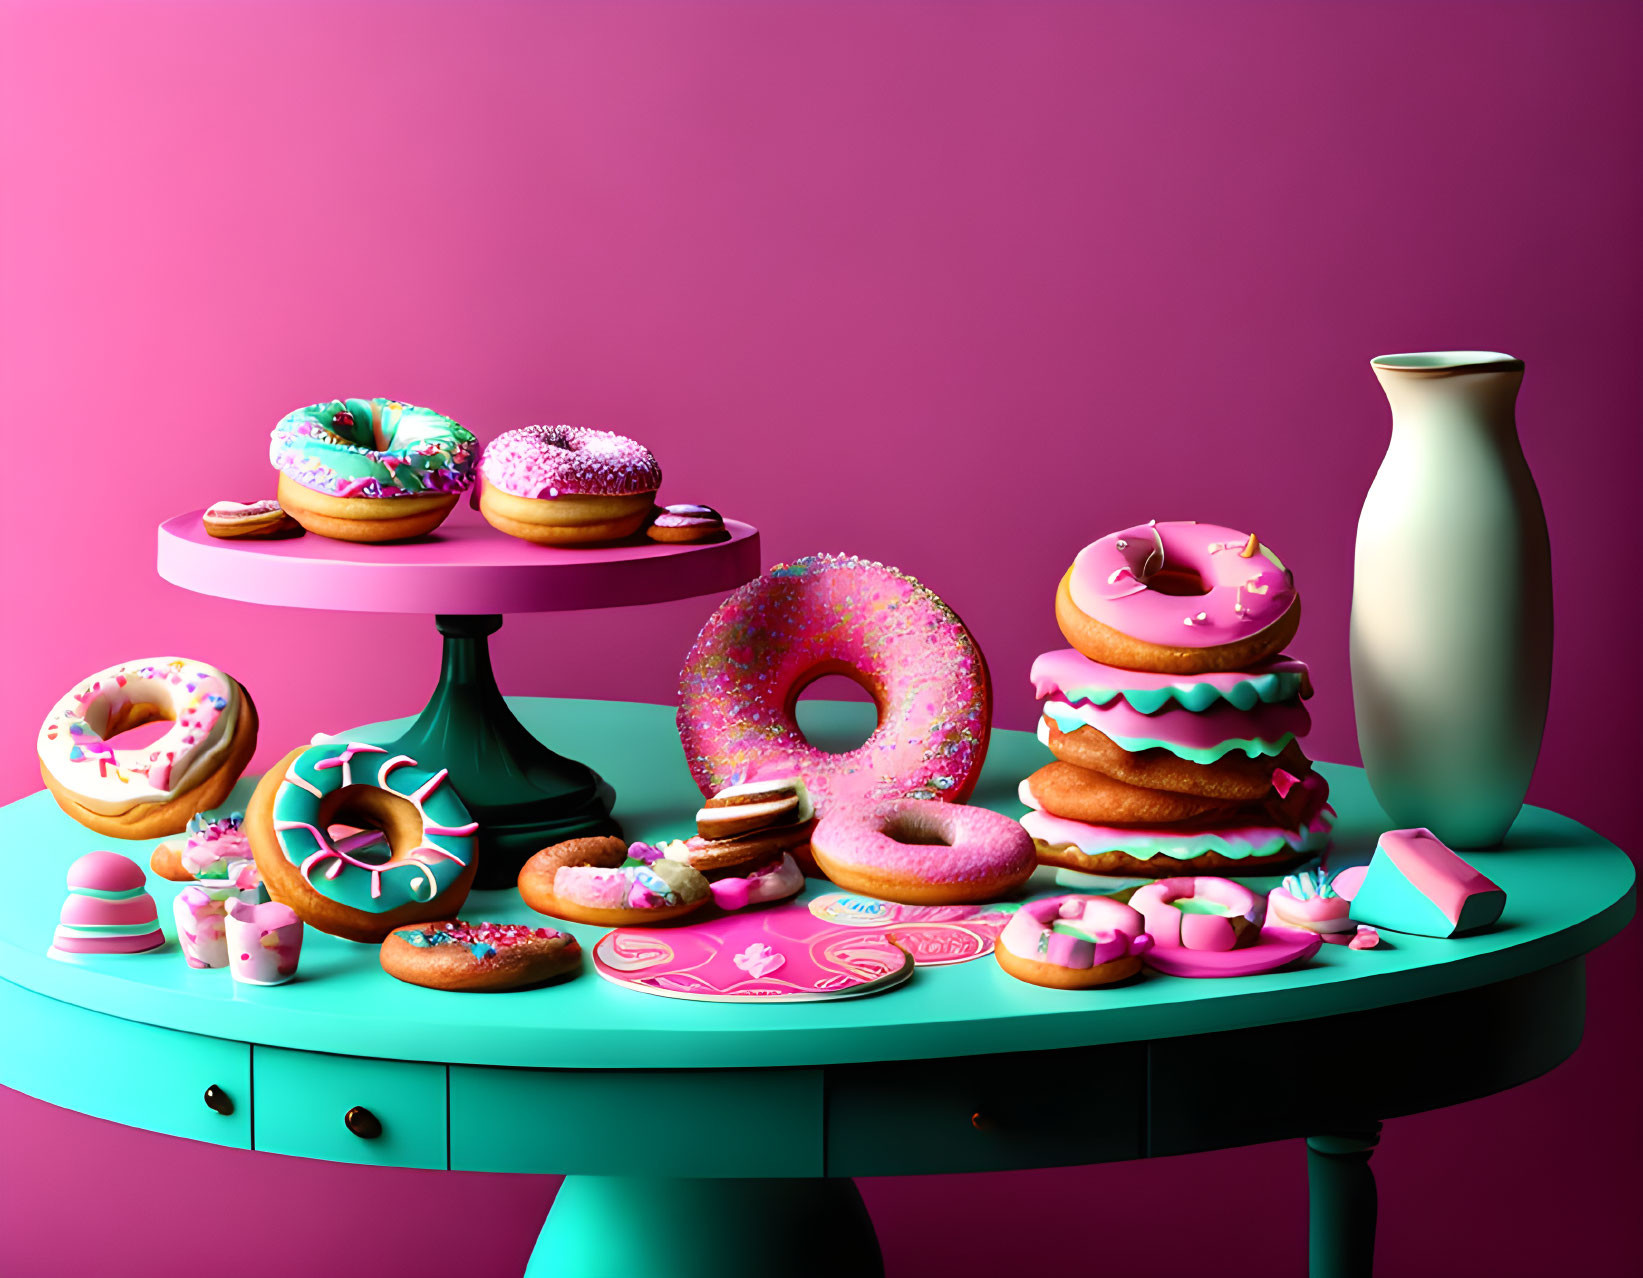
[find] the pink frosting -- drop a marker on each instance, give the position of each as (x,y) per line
(1315,914)
(1246,595)
(1173,927)
(110,944)
(828,613)
(106,872)
(774,882)
(977,843)
(1189,729)
(1114,931)
(96,911)
(1434,870)
(569,461)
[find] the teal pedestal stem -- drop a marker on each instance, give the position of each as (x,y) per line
(524,795)
(622,1226)
(1343,1204)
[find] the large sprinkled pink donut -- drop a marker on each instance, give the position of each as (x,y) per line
(837,614)
(1178,598)
(921,852)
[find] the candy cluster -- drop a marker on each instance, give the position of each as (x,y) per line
(482,940)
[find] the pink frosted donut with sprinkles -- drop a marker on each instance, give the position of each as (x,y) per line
(153,790)
(567,485)
(409,855)
(1178,598)
(837,614)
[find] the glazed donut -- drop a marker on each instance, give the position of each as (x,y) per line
(1248,840)
(567,485)
(1235,777)
(1178,598)
(923,852)
(1073,942)
(685,523)
(1200,913)
(478,957)
(152,790)
(605,882)
(1082,795)
(258,519)
(833,614)
(370,469)
(361,886)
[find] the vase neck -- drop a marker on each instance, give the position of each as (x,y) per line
(1451,390)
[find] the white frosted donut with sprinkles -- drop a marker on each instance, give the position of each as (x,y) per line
(152,790)
(411,858)
(837,614)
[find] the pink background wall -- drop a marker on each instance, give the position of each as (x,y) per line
(956,286)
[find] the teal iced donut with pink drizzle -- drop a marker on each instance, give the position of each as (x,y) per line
(837,614)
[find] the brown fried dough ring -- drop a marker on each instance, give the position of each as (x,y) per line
(1234,777)
(1065,790)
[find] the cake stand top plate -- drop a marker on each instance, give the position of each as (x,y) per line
(464,567)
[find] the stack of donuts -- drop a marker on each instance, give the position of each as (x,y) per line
(1174,718)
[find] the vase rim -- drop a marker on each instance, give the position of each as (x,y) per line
(1447,363)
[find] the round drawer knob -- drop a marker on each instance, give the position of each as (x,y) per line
(980,1121)
(219,1100)
(363,1123)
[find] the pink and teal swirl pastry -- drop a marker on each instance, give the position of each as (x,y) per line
(567,485)
(370,469)
(837,614)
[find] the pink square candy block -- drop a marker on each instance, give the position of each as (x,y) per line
(1415,884)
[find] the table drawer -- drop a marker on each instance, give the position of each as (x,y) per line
(304,1100)
(986,1113)
(704,1123)
(126,1072)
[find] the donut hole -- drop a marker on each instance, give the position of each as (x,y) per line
(912,828)
(366,808)
(835,711)
(138,727)
(1176,580)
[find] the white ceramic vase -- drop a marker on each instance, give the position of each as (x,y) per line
(1452,601)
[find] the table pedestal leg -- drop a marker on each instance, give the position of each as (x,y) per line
(523,795)
(642,1227)
(1341,1187)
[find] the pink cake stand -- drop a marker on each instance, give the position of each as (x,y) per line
(468,575)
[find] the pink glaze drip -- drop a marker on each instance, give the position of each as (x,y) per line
(979,844)
(569,461)
(1246,595)
(1111,931)
(1194,730)
(1062,671)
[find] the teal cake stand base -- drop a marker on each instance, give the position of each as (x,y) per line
(523,795)
(652,1227)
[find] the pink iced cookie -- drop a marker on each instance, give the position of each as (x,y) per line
(1200,913)
(830,614)
(264,942)
(1309,900)
(108,910)
(1073,942)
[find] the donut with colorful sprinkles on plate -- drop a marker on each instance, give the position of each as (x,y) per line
(478,958)
(923,852)
(152,790)
(1178,598)
(1073,942)
(603,881)
(567,485)
(361,886)
(370,469)
(837,614)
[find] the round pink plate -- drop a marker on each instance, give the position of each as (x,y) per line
(463,567)
(784,954)
(935,935)
(1278,946)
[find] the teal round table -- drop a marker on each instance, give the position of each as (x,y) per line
(790,1101)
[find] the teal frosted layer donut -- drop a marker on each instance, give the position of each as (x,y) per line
(359,872)
(373,448)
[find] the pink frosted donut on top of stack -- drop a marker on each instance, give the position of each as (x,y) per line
(108,910)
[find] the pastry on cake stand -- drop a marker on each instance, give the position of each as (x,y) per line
(468,576)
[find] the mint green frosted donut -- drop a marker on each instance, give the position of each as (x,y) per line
(373,448)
